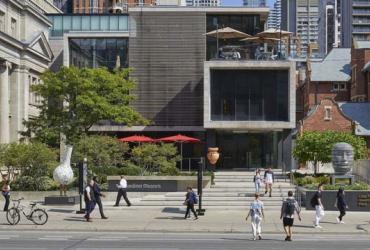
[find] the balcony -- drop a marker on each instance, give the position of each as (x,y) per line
(358,3)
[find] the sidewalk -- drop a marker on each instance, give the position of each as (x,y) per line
(171,219)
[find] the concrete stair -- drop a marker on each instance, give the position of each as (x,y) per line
(232,190)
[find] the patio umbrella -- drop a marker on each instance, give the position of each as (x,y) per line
(258,39)
(180,139)
(227,33)
(274,33)
(137,138)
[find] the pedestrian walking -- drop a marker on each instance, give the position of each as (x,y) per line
(5,190)
(288,209)
(257,180)
(190,201)
(90,200)
(98,194)
(256,213)
(316,203)
(269,180)
(341,205)
(122,191)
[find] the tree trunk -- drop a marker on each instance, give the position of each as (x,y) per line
(316,169)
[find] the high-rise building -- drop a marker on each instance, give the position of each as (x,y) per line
(355,19)
(274,20)
(329,26)
(100,6)
(255,3)
(203,3)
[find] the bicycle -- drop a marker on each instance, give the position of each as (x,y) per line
(37,215)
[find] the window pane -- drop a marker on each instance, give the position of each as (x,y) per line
(85,23)
(67,23)
(104,23)
(95,23)
(76,22)
(123,24)
(113,22)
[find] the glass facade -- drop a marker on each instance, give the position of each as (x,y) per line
(98,52)
(250,24)
(249,95)
(66,23)
(248,150)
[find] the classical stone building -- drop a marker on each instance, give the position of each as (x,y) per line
(24,54)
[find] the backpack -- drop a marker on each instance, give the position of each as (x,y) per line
(195,198)
(289,207)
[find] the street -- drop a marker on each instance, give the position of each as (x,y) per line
(108,240)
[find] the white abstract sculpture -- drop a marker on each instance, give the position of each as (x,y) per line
(63,174)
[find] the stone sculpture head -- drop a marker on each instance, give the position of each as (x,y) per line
(342,157)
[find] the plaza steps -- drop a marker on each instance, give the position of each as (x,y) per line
(232,190)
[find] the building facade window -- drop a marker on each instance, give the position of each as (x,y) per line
(339,86)
(328,113)
(2,21)
(13,27)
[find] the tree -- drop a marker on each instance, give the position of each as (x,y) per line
(156,158)
(316,146)
(75,99)
(100,151)
(35,159)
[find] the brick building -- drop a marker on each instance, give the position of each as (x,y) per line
(329,78)
(327,115)
(107,6)
(360,62)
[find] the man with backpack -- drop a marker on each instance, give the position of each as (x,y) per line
(256,213)
(190,200)
(317,204)
(288,209)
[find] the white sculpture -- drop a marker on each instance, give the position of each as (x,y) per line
(63,174)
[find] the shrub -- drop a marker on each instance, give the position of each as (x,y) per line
(155,157)
(31,183)
(100,151)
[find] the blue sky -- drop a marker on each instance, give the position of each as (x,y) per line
(240,2)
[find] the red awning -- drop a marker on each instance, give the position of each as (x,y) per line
(136,138)
(179,138)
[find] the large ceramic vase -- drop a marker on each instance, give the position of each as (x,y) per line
(342,158)
(63,174)
(213,155)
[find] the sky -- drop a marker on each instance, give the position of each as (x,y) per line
(240,2)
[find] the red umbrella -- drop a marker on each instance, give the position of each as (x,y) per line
(137,138)
(181,139)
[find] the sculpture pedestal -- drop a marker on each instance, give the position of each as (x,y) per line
(350,177)
(62,200)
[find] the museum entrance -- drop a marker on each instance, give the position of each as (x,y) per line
(247,150)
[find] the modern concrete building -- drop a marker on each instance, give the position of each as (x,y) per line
(254,3)
(246,107)
(355,19)
(274,20)
(24,54)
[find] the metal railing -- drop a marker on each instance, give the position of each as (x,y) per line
(189,164)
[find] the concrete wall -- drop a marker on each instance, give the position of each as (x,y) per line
(256,65)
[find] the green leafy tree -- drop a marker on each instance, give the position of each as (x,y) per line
(156,158)
(34,161)
(75,99)
(100,151)
(316,146)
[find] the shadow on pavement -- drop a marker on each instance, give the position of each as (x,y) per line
(169,218)
(172,210)
(303,226)
(75,219)
(66,211)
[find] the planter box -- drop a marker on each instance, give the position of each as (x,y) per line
(157,183)
(62,200)
(356,200)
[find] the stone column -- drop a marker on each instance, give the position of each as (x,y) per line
(4,102)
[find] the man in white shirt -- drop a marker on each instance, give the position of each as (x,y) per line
(122,191)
